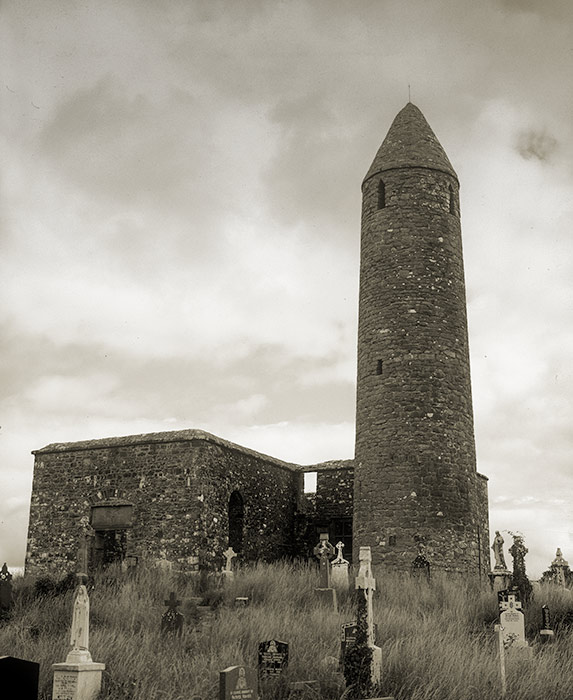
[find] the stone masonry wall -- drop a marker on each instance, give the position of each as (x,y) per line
(179,484)
(415,453)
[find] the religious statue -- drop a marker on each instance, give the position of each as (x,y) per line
(79,638)
(497,547)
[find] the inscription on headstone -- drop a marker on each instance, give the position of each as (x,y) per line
(511,619)
(65,686)
(273,658)
(238,683)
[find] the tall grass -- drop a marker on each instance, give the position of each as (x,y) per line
(437,638)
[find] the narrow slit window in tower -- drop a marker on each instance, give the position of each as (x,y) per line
(452,200)
(379,367)
(381,194)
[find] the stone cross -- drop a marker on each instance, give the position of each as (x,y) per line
(366,582)
(324,551)
(508,601)
(172,620)
(229,555)
(84,549)
(339,557)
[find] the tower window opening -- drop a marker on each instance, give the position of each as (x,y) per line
(452,200)
(381,194)
(392,540)
(379,367)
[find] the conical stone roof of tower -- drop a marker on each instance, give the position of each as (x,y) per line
(410,142)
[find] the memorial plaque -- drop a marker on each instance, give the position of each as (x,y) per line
(111,517)
(348,638)
(65,685)
(273,658)
(238,683)
(20,676)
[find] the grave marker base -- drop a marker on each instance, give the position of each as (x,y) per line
(77,681)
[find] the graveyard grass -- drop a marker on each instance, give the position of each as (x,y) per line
(437,639)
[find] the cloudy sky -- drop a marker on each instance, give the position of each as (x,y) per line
(180,222)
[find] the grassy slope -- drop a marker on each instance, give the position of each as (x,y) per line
(437,640)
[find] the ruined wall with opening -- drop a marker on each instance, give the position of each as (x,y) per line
(175,490)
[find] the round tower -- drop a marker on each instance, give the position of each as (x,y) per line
(416,489)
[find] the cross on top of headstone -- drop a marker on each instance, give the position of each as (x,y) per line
(339,557)
(324,549)
(172,602)
(229,555)
(508,600)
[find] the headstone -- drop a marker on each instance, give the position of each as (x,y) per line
(512,623)
(238,683)
(129,564)
(339,570)
(273,658)
(500,576)
(559,565)
(348,639)
(21,675)
(228,574)
(172,620)
(363,661)
(325,593)
(421,564)
(324,551)
(78,678)
(6,598)
(546,630)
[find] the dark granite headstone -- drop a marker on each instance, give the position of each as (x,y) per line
(20,676)
(172,620)
(273,658)
(238,683)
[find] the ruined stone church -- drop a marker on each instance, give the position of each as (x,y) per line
(183,497)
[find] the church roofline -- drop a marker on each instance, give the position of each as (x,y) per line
(188,435)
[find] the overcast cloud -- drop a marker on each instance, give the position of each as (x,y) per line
(180,226)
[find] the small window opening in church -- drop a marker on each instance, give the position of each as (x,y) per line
(310,482)
(392,540)
(452,201)
(236,514)
(379,367)
(381,194)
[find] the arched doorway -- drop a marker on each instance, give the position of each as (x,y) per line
(236,521)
